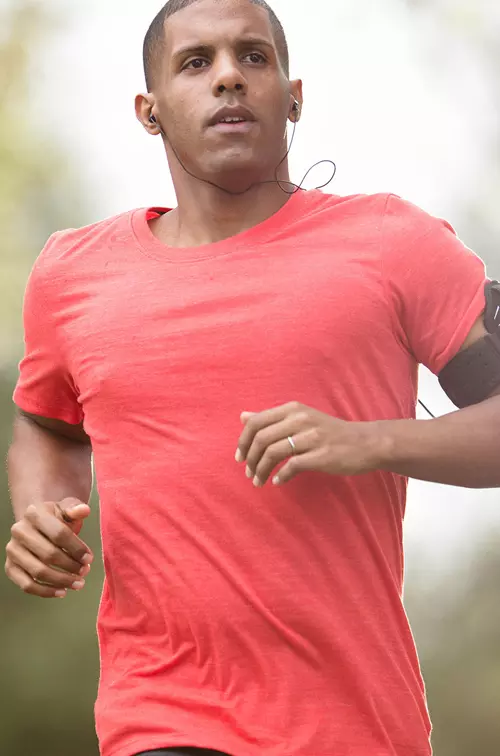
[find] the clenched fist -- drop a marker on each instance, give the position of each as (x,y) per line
(45,556)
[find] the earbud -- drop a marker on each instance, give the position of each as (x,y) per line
(295,114)
(152,119)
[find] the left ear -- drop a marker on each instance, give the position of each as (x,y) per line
(296,96)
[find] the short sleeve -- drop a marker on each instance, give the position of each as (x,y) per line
(434,283)
(45,386)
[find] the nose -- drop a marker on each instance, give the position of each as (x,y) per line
(228,76)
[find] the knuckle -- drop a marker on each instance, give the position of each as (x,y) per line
(252,424)
(16,529)
(52,555)
(40,572)
(301,417)
(26,586)
(78,552)
(295,406)
(59,536)
(271,455)
(316,435)
(31,513)
(260,439)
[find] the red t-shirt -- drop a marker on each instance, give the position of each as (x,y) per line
(253,621)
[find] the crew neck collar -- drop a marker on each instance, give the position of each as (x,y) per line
(258,234)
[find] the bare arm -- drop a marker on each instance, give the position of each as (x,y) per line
(48,461)
(50,479)
(459,449)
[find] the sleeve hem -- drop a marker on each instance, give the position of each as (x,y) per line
(474,311)
(26,404)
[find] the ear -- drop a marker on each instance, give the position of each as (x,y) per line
(296,95)
(144,107)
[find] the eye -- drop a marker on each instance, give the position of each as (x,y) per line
(195,64)
(256,58)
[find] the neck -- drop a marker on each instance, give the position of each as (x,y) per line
(206,215)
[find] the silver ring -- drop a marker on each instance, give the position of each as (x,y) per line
(292,444)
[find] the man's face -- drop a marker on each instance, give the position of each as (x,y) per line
(221,63)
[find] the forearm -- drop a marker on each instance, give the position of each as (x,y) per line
(45,467)
(461,449)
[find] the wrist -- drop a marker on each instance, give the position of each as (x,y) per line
(389,443)
(401,443)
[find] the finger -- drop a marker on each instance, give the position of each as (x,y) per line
(272,443)
(48,553)
(58,533)
(26,583)
(259,421)
(40,572)
(293,425)
(294,466)
(278,452)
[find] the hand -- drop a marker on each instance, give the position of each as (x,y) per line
(322,443)
(45,557)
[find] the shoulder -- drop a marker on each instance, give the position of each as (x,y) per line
(67,244)
(395,211)
(383,211)
(349,204)
(404,218)
(71,253)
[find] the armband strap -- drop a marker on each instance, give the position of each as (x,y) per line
(474,374)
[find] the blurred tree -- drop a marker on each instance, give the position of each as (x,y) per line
(469,29)
(456,625)
(34,176)
(49,663)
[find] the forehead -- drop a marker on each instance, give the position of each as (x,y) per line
(215,21)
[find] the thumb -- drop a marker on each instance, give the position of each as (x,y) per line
(73,511)
(245,416)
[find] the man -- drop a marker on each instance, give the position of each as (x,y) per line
(261,615)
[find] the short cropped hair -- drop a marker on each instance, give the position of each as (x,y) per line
(155,37)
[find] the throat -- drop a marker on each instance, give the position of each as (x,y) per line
(200,224)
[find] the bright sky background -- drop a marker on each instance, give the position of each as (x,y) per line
(374,103)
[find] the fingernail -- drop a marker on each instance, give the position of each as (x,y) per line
(249,473)
(60,594)
(78,585)
(257,482)
(276,481)
(238,456)
(87,559)
(85,571)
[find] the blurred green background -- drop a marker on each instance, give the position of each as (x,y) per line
(48,652)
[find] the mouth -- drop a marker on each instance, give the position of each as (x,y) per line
(228,120)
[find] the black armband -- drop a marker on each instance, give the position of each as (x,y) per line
(474,374)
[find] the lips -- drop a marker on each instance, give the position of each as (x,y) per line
(232,116)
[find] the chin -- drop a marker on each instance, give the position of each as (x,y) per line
(237,171)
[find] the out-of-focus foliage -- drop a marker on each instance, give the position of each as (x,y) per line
(456,624)
(470,29)
(38,192)
(48,653)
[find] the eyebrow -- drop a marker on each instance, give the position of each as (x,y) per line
(202,49)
